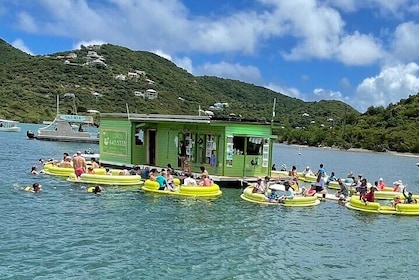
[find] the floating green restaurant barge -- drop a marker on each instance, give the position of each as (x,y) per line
(230,149)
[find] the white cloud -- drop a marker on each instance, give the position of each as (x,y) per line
(185,63)
(27,23)
(317,27)
(19,44)
(345,83)
(389,86)
(359,49)
(288,91)
(235,71)
(163,54)
(344,5)
(182,62)
(321,93)
(405,45)
(393,7)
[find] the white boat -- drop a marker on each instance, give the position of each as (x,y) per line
(67,128)
(63,129)
(9,126)
(89,154)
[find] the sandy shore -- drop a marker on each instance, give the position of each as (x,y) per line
(355,150)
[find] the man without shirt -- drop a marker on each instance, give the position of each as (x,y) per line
(79,164)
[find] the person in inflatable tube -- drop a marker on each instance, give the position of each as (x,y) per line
(36,188)
(189,180)
(369,196)
(259,187)
(289,193)
(396,201)
(97,190)
(343,192)
(161,179)
(319,185)
(408,199)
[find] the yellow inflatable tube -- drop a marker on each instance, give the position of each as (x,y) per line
(386,195)
(300,201)
(374,207)
(186,191)
(58,171)
(120,180)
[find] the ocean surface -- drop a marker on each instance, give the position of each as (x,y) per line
(66,233)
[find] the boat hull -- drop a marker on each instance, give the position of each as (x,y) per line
(10,129)
(68,139)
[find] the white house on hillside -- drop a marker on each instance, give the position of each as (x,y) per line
(148,94)
(151,94)
(120,77)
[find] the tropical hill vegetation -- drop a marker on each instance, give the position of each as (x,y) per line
(110,78)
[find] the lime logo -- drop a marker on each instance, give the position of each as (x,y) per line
(115,142)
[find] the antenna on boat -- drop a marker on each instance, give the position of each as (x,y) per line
(58,104)
(126,104)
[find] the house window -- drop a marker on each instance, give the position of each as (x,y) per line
(139,137)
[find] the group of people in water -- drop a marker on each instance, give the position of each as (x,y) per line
(164,178)
(351,184)
(78,162)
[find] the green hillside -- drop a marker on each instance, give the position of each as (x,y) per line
(34,83)
(107,78)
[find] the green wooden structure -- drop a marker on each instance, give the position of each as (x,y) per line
(228,148)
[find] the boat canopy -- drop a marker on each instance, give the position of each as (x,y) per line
(75,119)
(8,121)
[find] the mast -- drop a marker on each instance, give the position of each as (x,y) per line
(58,104)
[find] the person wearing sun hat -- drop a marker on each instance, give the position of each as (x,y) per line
(307,171)
(398,186)
(381,184)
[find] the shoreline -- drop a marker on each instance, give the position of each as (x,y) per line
(356,150)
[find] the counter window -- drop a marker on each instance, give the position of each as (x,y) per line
(254,146)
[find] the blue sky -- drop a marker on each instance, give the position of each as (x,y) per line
(365,53)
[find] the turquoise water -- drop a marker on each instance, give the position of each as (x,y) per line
(66,233)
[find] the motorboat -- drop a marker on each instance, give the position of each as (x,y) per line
(9,126)
(67,128)
(62,129)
